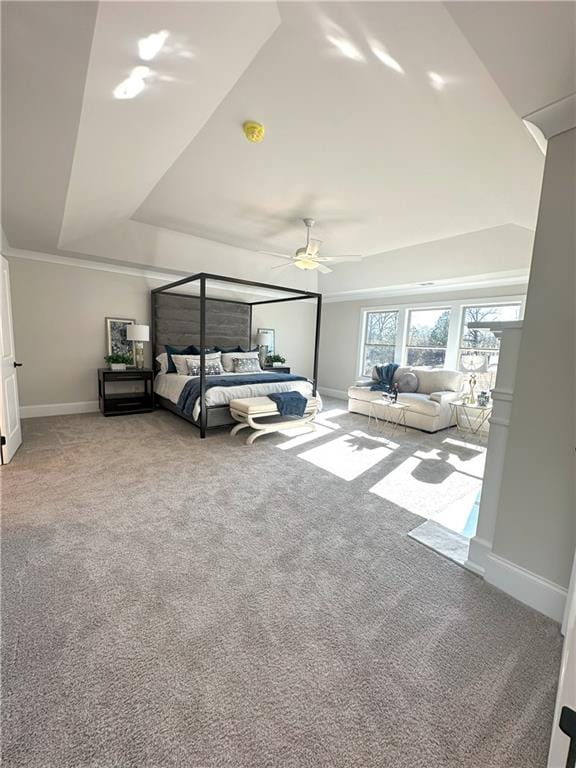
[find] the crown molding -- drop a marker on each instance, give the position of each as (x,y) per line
(555,118)
(518,277)
(99,266)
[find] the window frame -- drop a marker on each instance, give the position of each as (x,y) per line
(469,305)
(455,327)
(408,346)
(364,331)
(489,350)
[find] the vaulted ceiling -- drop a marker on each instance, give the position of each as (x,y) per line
(392,123)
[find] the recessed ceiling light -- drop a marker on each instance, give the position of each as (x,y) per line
(149,47)
(436,80)
(381,53)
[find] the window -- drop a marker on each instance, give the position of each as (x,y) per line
(437,335)
(427,337)
(479,348)
(379,340)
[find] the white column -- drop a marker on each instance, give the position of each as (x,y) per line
(481,545)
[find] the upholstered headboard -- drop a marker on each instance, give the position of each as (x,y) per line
(176,321)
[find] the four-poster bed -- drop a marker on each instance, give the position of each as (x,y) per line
(193,311)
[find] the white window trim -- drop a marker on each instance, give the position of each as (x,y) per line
(455,328)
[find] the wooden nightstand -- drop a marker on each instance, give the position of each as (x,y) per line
(277,369)
(117,403)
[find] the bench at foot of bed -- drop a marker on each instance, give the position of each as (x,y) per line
(261,414)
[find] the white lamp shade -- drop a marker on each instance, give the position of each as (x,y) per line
(138,333)
(264,339)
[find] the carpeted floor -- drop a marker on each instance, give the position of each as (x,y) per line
(172,602)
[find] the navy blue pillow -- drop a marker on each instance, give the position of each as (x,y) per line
(228,349)
(191,350)
(241,349)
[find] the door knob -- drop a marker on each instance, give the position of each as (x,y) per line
(18,365)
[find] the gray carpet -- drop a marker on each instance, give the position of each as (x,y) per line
(168,602)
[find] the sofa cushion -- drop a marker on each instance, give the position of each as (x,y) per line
(363,393)
(438,380)
(419,403)
(444,397)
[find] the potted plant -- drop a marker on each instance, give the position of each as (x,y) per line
(118,362)
(276,361)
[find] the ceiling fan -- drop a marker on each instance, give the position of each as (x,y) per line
(307,257)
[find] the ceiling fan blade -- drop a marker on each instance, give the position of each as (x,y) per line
(276,253)
(340,258)
(323,269)
(282,266)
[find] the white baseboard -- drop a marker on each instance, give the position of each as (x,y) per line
(528,587)
(337,393)
(478,553)
(57,409)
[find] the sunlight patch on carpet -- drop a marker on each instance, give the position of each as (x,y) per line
(302,435)
(427,483)
(351,455)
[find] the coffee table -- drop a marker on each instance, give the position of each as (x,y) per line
(392,412)
(471,417)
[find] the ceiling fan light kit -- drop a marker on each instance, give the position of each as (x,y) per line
(308,256)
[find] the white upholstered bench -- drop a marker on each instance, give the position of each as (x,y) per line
(261,414)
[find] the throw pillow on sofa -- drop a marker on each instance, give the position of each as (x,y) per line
(407,382)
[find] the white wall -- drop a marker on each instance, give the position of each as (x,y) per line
(144,245)
(498,252)
(536,524)
(341,328)
(59,329)
(59,312)
(294,323)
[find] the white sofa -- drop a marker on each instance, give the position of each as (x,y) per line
(430,408)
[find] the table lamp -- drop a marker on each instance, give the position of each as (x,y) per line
(263,340)
(138,334)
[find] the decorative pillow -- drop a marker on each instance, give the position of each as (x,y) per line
(211,367)
(181,361)
(162,361)
(407,382)
(190,350)
(246,365)
(229,357)
(228,350)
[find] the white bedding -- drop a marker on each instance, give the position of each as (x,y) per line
(170,385)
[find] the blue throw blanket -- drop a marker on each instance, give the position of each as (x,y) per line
(385,377)
(289,403)
(191,390)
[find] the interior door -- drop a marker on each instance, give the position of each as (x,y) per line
(10,429)
(563,743)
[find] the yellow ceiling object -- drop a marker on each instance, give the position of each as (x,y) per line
(254,131)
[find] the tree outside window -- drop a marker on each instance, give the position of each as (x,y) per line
(479,348)
(379,340)
(427,337)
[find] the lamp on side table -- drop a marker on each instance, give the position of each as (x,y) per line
(263,340)
(138,334)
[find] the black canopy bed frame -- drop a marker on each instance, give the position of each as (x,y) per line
(180,319)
